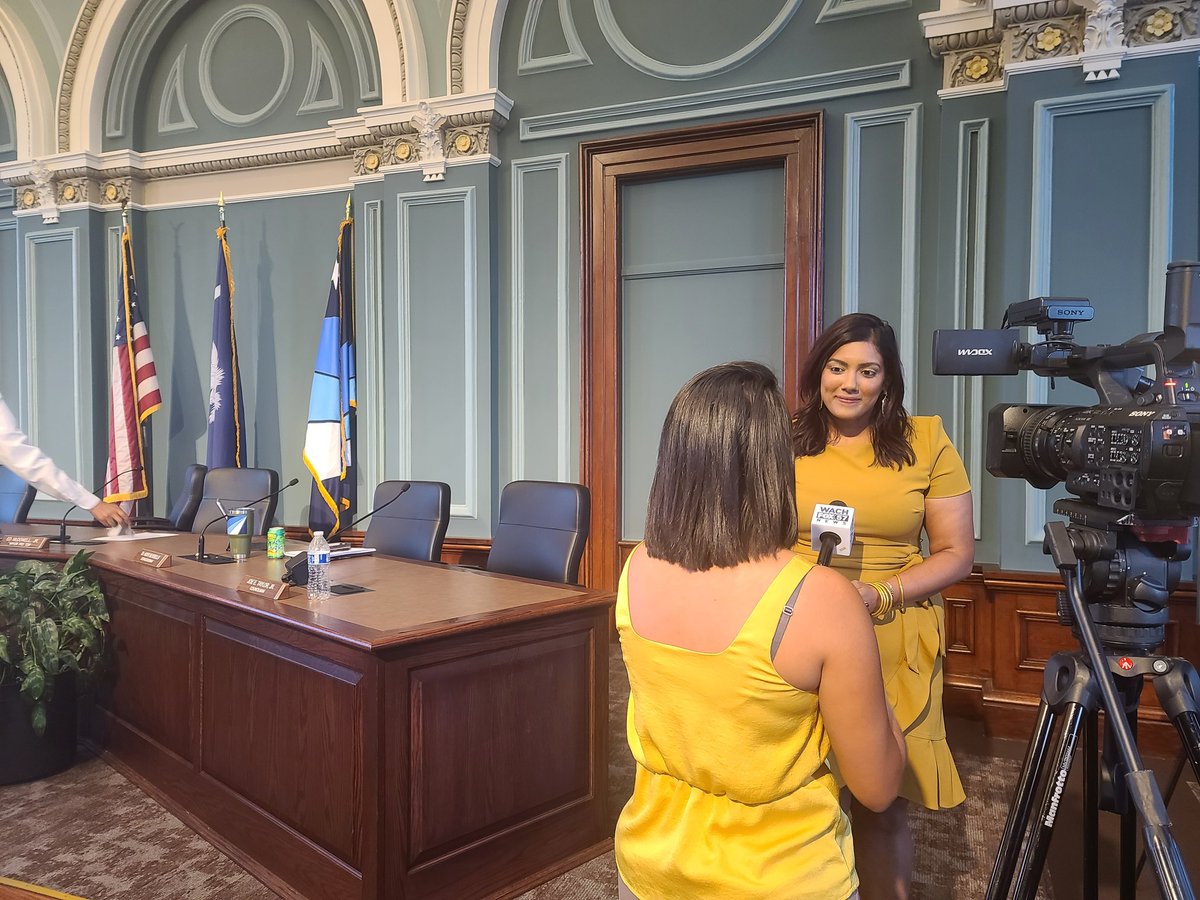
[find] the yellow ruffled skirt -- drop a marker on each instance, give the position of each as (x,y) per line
(911,651)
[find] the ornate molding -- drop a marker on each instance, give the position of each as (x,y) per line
(458,28)
(70,65)
(427,122)
(982,43)
(42,194)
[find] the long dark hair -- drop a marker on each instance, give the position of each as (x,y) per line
(891,429)
(724,489)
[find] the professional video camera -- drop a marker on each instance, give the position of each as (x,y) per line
(1133,462)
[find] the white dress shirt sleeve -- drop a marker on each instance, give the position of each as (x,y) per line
(35,467)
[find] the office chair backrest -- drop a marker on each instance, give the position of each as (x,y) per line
(414,526)
(183,513)
(237,487)
(542,530)
(16,497)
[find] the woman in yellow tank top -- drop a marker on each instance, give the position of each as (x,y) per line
(855,443)
(732,711)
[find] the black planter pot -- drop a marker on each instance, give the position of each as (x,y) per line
(23,755)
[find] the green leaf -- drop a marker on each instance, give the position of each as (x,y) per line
(34,567)
(37,718)
(34,684)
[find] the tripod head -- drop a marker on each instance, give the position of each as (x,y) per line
(1130,567)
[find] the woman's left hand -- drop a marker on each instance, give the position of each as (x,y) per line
(870,596)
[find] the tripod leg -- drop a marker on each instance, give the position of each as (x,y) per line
(1091,806)
(1129,690)
(1178,692)
(1033,860)
(1018,813)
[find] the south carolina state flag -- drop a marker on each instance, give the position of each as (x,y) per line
(328,441)
(226,417)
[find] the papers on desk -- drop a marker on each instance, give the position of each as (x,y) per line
(336,554)
(135,536)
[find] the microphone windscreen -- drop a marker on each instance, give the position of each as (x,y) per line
(833,518)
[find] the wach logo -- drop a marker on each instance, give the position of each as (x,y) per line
(975,351)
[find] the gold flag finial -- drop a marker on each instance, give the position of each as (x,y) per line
(221,205)
(349,197)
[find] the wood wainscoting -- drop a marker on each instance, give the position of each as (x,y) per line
(1001,628)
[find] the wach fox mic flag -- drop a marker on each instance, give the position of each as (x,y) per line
(328,442)
(133,389)
(226,417)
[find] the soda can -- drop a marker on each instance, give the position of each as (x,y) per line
(275,540)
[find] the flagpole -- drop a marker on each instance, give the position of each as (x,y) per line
(348,199)
(221,207)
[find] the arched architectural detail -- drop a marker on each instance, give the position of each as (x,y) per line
(479,46)
(101,28)
(33,131)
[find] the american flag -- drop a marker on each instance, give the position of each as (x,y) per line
(134,392)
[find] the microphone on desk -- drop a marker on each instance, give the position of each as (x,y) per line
(215,558)
(63,537)
(832,530)
(297,567)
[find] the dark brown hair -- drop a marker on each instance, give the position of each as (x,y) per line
(891,430)
(724,489)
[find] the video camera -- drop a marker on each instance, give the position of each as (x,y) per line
(1133,459)
(1138,449)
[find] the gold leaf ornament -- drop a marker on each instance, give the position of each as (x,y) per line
(462,143)
(370,161)
(1160,23)
(977,67)
(1049,38)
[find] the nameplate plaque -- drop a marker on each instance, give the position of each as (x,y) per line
(154,559)
(24,541)
(262,587)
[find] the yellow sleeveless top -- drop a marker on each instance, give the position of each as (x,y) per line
(732,798)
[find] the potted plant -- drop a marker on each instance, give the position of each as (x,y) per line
(53,628)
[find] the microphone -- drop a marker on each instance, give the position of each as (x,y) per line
(832,529)
(215,558)
(63,537)
(297,567)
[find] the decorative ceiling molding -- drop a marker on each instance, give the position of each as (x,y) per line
(575,54)
(321,71)
(237,14)
(834,10)
(173,112)
(982,43)
(458,27)
(636,59)
(391,40)
(32,129)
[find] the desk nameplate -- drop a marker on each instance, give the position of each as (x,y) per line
(154,559)
(262,587)
(24,541)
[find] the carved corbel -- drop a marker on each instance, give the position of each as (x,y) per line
(42,195)
(428,122)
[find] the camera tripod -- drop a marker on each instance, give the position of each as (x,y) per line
(1076,686)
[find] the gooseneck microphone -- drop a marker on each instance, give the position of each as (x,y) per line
(63,537)
(832,529)
(215,558)
(297,567)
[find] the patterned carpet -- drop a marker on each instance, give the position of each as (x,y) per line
(91,832)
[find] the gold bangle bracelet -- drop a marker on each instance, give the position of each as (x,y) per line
(886,601)
(900,591)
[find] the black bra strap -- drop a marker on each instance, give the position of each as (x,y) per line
(785,617)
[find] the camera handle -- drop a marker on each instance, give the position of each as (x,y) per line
(1071,688)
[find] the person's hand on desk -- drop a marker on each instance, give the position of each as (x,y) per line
(110,514)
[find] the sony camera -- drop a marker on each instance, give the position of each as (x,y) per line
(1136,450)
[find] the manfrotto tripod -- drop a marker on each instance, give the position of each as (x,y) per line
(1138,572)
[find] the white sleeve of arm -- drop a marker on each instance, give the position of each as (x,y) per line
(35,467)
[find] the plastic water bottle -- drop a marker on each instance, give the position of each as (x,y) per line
(318,567)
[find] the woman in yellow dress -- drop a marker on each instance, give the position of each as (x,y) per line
(732,711)
(855,443)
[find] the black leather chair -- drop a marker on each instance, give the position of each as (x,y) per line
(542,530)
(235,487)
(183,512)
(16,497)
(413,526)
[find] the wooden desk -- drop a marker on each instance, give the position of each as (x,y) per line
(443,736)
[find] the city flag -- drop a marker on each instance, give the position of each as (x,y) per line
(133,389)
(329,439)
(226,416)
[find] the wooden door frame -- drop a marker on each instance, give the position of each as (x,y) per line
(797,143)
